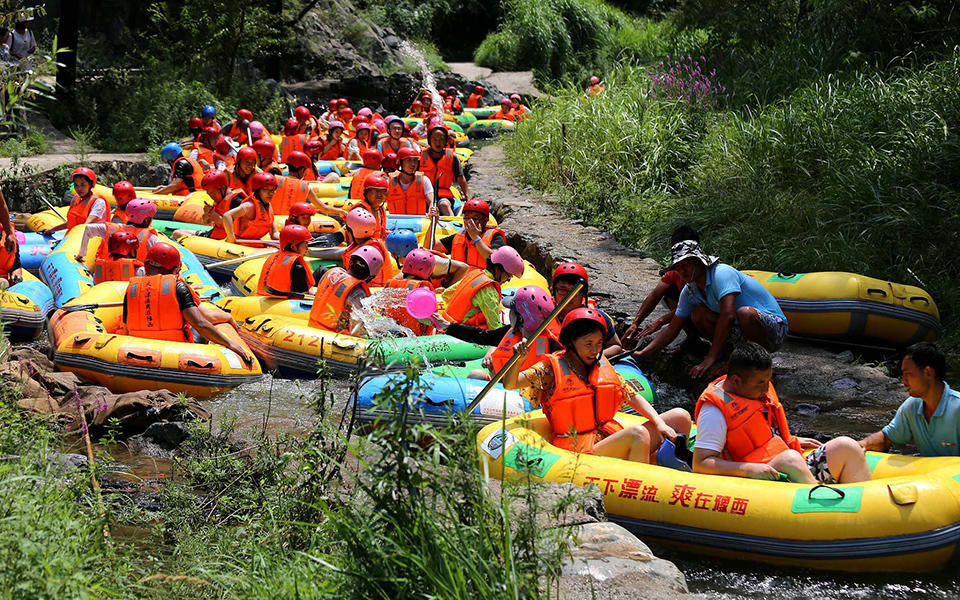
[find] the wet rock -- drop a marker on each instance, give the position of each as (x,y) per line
(844,383)
(68,460)
(807,410)
(845,357)
(552,506)
(607,561)
(160,439)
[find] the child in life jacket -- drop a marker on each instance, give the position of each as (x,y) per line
(475,299)
(580,394)
(286,273)
(86,206)
(253,219)
(565,277)
(140,213)
(745,433)
(362,229)
(340,292)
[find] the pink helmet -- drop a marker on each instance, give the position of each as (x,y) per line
(533,304)
(380,126)
(508,258)
(362,223)
(419,263)
(594,80)
(256,129)
(371,257)
(365,112)
(505,101)
(335,125)
(140,209)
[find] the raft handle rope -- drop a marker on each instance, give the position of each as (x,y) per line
(516,357)
(838,491)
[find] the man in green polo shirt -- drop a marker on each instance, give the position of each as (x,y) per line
(930,417)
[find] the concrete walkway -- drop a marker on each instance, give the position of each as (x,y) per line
(510,82)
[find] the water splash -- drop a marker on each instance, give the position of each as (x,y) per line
(374,311)
(427,79)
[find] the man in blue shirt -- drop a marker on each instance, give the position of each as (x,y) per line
(723,304)
(930,417)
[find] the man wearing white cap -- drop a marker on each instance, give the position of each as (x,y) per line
(724,305)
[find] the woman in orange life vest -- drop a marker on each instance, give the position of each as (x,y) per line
(361,232)
(519,108)
(185,174)
(340,291)
(203,149)
(394,139)
(123,193)
(85,205)
(421,268)
(140,213)
(10,270)
(241,175)
(410,193)
(216,184)
(160,305)
(334,145)
(224,156)
(266,153)
(442,167)
(372,160)
(746,434)
(361,140)
(565,277)
(475,299)
(506,111)
(286,273)
(475,100)
(478,240)
(254,218)
(580,394)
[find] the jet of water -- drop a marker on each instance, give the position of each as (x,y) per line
(427,80)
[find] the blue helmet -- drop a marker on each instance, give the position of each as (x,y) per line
(208,111)
(401,241)
(171,151)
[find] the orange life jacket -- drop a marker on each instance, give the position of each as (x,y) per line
(275,277)
(466,251)
(380,214)
(386,272)
(290,190)
(106,268)
(292,143)
(461,301)
(204,153)
(260,225)
(406,202)
(233,199)
(399,312)
(191,183)
(236,182)
(331,311)
(757,430)
(153,311)
(510,115)
(80,210)
(334,152)
(7,259)
(452,105)
(385,147)
(584,408)
(356,186)
(439,172)
(310,127)
(595,89)
(539,349)
(474,101)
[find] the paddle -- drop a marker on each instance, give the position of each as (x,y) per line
(78,307)
(516,357)
(432,233)
(240,259)
(55,210)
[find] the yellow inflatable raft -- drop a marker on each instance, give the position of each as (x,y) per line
(853,308)
(906,519)
(167,206)
(191,209)
(24,307)
(83,343)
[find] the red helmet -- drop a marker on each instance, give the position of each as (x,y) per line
(298,209)
(265,147)
(211,130)
(84,172)
(442,93)
(244,115)
(312,147)
(246,153)
(333,103)
(436,123)
(263,180)
(123,192)
(194,123)
(298,160)
(372,159)
(164,255)
(375,181)
(223,146)
(301,112)
(123,243)
(346,114)
(416,104)
(407,152)
(570,268)
(505,101)
(581,314)
(291,235)
(477,205)
(214,180)
(390,161)
(478,89)
(341,102)
(291,127)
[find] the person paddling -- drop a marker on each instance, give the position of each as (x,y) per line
(580,393)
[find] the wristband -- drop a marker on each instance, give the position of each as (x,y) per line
(477,239)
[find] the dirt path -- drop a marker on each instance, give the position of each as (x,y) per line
(510,82)
(826,391)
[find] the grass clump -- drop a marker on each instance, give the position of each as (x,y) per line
(29,144)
